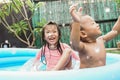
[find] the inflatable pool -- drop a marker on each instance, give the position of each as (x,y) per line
(12,59)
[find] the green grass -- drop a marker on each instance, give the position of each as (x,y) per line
(113,51)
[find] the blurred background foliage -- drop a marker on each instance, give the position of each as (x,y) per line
(105,12)
(29,17)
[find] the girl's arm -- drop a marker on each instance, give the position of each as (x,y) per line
(65,58)
(75,55)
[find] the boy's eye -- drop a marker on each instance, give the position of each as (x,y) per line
(93,22)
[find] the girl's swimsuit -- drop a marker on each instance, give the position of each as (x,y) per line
(53,56)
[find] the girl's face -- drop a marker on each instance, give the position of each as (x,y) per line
(51,34)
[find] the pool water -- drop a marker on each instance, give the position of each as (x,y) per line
(12,60)
(17,66)
(12,68)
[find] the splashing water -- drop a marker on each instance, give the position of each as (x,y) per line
(97,49)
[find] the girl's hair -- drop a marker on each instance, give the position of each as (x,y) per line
(45,43)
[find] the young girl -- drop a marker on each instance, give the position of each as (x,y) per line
(56,55)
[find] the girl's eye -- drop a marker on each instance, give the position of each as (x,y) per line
(55,31)
(47,32)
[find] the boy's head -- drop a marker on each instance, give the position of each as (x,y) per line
(89,29)
(51,33)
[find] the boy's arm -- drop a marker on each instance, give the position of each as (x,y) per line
(116,27)
(75,37)
(75,28)
(114,32)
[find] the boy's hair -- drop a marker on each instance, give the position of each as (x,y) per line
(81,27)
(45,43)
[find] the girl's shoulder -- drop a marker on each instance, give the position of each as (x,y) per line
(64,45)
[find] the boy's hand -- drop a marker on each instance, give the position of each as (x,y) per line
(72,9)
(75,14)
(79,12)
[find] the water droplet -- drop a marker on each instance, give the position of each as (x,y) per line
(88,57)
(63,24)
(97,50)
(107,9)
(50,12)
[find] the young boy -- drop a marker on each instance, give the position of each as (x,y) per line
(87,40)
